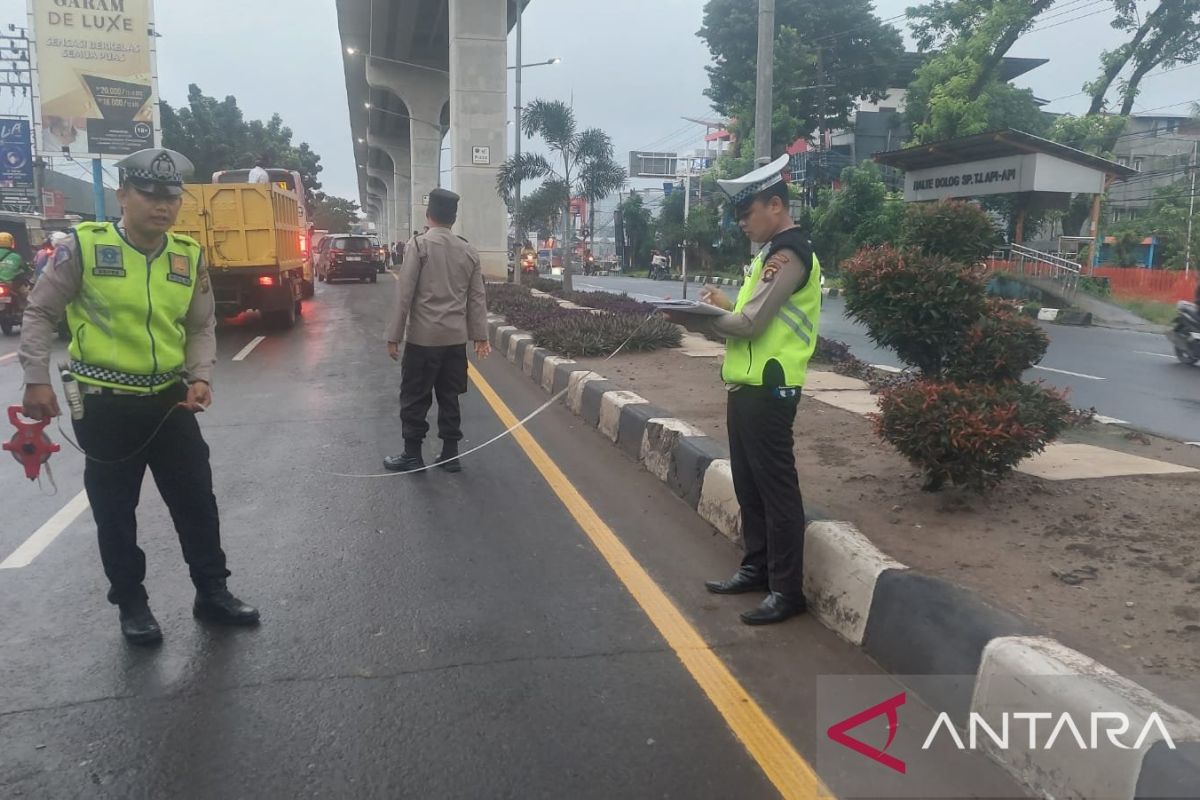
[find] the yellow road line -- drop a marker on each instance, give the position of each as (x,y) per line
(786,769)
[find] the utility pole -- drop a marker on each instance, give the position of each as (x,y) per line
(687,207)
(764,94)
(520,235)
(1187,259)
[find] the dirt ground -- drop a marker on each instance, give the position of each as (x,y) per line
(1110,567)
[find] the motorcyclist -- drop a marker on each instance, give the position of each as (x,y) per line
(46,252)
(12,266)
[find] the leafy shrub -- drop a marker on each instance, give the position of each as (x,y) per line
(545,285)
(1100,287)
(914,304)
(999,347)
(606,301)
(831,351)
(953,229)
(580,332)
(971,434)
(587,334)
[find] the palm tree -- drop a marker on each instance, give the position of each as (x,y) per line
(598,180)
(579,153)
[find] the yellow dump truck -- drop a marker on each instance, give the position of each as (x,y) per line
(254,242)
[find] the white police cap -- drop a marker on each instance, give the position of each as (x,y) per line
(742,190)
(156,171)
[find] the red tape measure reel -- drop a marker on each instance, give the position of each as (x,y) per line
(30,445)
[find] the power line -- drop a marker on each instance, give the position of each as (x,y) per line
(1146,78)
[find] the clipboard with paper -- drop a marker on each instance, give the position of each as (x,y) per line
(687,307)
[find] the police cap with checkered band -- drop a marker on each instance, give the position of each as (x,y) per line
(156,171)
(742,191)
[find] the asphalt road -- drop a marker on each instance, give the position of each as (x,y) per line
(1126,375)
(433,636)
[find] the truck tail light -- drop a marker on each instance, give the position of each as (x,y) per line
(266,280)
(303,244)
(4,290)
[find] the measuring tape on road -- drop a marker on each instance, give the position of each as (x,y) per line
(520,424)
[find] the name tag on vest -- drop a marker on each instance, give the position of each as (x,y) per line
(110,261)
(181,270)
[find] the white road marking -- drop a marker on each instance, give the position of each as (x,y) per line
(1193,444)
(248,349)
(1159,355)
(24,555)
(1068,372)
(1103,420)
(7,357)
(887,368)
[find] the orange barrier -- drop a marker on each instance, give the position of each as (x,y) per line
(1166,286)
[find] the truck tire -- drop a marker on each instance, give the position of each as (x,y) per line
(284,318)
(307,290)
(374,279)
(8,327)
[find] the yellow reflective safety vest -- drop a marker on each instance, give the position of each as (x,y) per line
(790,338)
(127,324)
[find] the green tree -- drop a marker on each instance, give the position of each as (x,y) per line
(703,232)
(858,214)
(576,152)
(598,180)
(638,229)
(958,92)
(669,227)
(334,214)
(827,56)
(215,135)
(542,208)
(1164,37)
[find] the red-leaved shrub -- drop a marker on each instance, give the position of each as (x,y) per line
(971,434)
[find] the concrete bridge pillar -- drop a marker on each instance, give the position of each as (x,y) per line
(424,92)
(478,100)
(399,151)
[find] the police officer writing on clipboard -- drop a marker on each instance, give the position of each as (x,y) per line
(771,332)
(141,313)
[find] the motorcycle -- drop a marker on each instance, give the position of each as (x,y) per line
(12,307)
(1184,335)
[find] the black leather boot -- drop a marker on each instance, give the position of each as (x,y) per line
(408,461)
(138,625)
(775,608)
(449,459)
(215,604)
(746,579)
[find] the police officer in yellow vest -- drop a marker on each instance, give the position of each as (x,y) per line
(771,331)
(140,308)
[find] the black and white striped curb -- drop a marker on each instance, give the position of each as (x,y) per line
(908,622)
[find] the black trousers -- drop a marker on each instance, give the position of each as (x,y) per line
(429,371)
(113,426)
(767,486)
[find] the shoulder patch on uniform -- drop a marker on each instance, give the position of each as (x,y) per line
(774,264)
(181,269)
(110,261)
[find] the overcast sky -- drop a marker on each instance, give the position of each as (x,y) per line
(632,67)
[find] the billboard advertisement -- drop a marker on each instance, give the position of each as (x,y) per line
(96,91)
(16,164)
